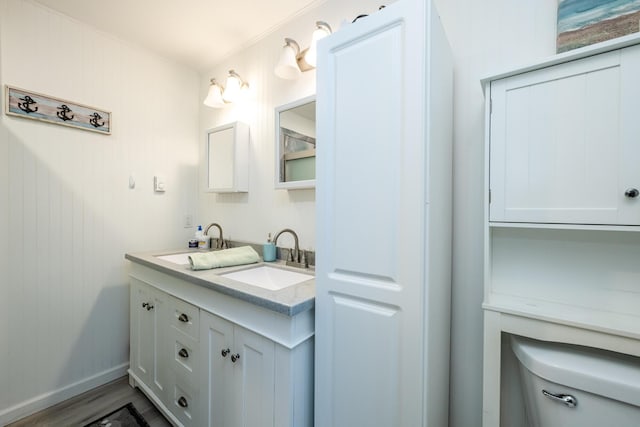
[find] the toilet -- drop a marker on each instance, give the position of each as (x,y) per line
(569,386)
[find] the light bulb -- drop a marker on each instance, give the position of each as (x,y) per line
(322,30)
(214,96)
(287,67)
(232,91)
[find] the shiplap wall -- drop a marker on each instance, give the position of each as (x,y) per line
(67,214)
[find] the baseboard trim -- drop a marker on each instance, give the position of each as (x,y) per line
(45,400)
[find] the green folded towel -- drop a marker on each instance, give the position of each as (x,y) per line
(223,258)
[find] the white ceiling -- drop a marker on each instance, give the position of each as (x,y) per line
(198,33)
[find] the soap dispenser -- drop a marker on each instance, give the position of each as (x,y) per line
(269,250)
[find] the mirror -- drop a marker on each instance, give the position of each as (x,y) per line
(227,158)
(296,144)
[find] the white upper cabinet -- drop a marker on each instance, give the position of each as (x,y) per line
(228,158)
(565,142)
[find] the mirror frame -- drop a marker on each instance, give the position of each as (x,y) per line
(289,185)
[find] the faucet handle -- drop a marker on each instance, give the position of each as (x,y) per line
(290,256)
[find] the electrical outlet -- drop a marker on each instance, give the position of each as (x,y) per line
(188,221)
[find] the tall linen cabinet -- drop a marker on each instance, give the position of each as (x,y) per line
(383,273)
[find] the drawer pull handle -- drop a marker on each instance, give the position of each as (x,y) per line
(183,353)
(566,399)
(632,193)
(183,318)
(235,357)
(147,305)
(225,352)
(183,402)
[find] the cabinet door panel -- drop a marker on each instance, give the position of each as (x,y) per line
(151,352)
(557,143)
(254,377)
(630,172)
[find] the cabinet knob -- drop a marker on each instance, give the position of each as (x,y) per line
(632,193)
(225,352)
(235,357)
(183,402)
(147,305)
(183,353)
(183,318)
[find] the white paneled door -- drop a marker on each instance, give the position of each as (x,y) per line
(375,143)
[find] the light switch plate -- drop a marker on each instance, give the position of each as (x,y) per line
(158,184)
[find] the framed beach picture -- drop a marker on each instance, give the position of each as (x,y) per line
(585,22)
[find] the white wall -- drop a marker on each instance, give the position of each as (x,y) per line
(486,37)
(67,216)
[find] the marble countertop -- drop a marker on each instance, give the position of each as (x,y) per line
(288,301)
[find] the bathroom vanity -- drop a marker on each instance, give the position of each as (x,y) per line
(210,349)
(562,242)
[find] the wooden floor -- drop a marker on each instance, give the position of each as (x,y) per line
(89,406)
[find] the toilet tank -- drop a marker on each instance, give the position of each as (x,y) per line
(566,385)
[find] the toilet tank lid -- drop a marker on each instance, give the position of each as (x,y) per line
(609,374)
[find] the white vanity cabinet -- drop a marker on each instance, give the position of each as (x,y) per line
(564,142)
(562,241)
(209,359)
(239,375)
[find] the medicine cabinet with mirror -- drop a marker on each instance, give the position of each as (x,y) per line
(296,144)
(227,149)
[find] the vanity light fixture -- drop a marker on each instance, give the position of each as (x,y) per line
(287,67)
(214,96)
(235,85)
(292,61)
(322,30)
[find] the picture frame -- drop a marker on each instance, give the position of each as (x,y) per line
(584,22)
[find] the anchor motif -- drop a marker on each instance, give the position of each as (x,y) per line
(26,105)
(63,114)
(94,120)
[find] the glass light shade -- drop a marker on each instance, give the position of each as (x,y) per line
(287,67)
(322,30)
(214,96)
(232,91)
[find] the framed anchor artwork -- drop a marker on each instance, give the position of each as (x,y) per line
(36,106)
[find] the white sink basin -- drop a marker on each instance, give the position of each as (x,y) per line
(176,258)
(270,278)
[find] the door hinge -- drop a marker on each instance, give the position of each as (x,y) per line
(490,106)
(489,196)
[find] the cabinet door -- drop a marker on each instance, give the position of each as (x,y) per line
(227,158)
(216,340)
(239,375)
(149,355)
(563,140)
(253,378)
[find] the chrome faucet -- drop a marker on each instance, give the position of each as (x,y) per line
(295,259)
(220,242)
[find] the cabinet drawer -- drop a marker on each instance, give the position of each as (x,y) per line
(185,358)
(185,318)
(183,403)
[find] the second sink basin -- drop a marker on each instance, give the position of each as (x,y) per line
(270,278)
